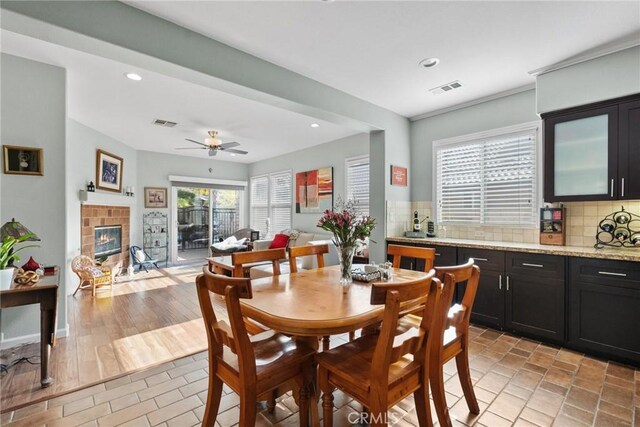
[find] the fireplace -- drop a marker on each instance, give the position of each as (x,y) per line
(108,240)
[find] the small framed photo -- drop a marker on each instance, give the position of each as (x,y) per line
(255,235)
(155,197)
(109,172)
(22,160)
(398,176)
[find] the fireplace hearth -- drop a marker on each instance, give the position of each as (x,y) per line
(108,240)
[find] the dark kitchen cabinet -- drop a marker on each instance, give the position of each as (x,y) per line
(592,152)
(445,255)
(604,308)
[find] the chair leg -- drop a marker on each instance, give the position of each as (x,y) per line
(352,335)
(93,288)
(271,403)
(378,416)
(327,397)
(303,403)
(326,340)
(437,392)
(146,270)
(247,409)
(423,409)
(79,285)
(462,363)
(213,401)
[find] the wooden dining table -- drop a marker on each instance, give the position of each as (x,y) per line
(311,303)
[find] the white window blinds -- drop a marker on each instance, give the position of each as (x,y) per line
(357,182)
(489,180)
(271,203)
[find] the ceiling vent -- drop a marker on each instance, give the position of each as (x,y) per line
(446,88)
(165,123)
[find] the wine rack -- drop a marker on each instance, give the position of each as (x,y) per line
(619,229)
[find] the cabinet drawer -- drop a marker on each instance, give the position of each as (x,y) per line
(623,274)
(486,259)
(445,255)
(537,265)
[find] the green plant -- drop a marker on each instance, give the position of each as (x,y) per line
(7,252)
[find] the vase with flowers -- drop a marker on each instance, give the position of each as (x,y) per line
(349,230)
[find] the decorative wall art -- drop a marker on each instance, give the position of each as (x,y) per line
(398,176)
(22,160)
(155,197)
(314,190)
(109,172)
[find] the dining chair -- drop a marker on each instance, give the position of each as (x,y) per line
(307,250)
(252,366)
(239,259)
(456,340)
(399,251)
(380,370)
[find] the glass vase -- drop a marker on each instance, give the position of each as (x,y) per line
(346,260)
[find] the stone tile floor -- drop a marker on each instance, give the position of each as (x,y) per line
(517,381)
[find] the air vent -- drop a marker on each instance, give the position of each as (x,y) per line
(165,123)
(446,88)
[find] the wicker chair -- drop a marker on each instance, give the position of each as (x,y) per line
(91,275)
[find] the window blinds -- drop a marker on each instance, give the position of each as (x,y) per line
(489,181)
(358,182)
(271,203)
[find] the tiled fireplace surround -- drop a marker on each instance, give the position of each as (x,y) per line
(98,215)
(582,222)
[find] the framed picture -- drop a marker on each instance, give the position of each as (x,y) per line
(22,160)
(314,190)
(109,172)
(155,197)
(398,176)
(255,235)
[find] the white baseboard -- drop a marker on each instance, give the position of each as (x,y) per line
(32,338)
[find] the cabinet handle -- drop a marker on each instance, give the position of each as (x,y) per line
(437,254)
(611,187)
(608,273)
(526,264)
(479,259)
(507,282)
(622,189)
(500,282)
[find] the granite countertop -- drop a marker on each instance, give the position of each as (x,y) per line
(621,254)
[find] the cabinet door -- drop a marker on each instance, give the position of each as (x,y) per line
(604,308)
(445,255)
(629,150)
(581,155)
(535,295)
(488,307)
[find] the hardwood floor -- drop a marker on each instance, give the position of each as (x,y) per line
(153,319)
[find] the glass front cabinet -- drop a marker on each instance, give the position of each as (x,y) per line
(593,152)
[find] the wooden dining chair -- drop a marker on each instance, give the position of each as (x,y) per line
(239,259)
(381,370)
(456,340)
(253,366)
(307,250)
(400,251)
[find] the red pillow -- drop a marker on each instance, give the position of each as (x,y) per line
(279,241)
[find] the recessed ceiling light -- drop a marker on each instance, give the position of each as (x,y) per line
(429,62)
(232,154)
(134,76)
(315,125)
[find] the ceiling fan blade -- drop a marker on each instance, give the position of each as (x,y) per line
(229,144)
(213,153)
(196,142)
(231,150)
(190,148)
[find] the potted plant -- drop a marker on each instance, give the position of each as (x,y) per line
(8,255)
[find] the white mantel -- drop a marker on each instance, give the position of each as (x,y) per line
(105,199)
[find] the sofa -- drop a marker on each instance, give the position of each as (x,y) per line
(296,238)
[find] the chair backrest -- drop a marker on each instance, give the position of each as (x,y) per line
(239,259)
(298,251)
(467,272)
(81,261)
(399,251)
(219,332)
(134,249)
(243,233)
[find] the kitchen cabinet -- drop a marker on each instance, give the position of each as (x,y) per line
(445,255)
(592,153)
(604,308)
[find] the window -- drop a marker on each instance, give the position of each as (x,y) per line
(271,203)
(488,179)
(357,182)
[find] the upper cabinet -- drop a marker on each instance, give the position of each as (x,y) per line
(593,152)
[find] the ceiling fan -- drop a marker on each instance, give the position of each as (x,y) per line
(214,144)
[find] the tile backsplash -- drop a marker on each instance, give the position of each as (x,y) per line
(582,222)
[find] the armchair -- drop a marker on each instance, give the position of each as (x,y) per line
(92,275)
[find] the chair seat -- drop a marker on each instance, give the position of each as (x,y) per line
(352,363)
(97,272)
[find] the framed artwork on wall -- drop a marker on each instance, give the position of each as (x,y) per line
(22,160)
(314,190)
(109,171)
(398,176)
(155,197)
